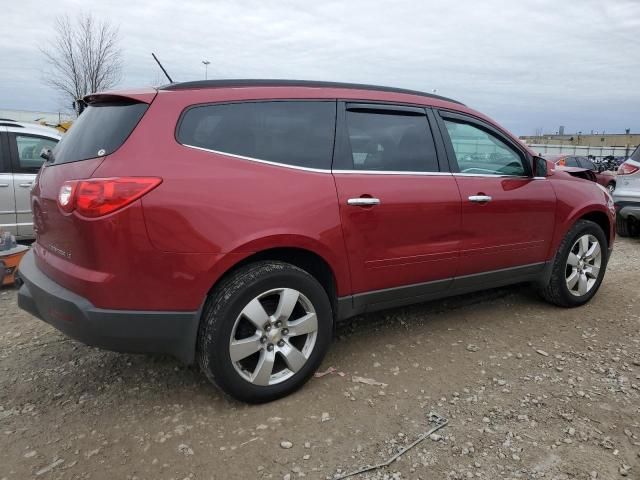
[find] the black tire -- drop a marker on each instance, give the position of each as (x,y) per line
(225,304)
(622,226)
(556,291)
(611,187)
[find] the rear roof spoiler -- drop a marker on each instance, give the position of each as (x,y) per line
(143,95)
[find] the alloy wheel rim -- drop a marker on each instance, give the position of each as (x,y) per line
(583,265)
(273,336)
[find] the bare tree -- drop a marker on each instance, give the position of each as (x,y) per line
(84,57)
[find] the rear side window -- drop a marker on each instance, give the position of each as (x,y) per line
(100,130)
(298,133)
(636,154)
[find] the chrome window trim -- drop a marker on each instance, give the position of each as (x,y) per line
(488,175)
(392,172)
(257,160)
(315,170)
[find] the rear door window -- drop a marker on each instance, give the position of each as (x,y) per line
(28,149)
(390,140)
(297,133)
(100,130)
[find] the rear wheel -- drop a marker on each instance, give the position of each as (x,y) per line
(579,266)
(622,226)
(264,331)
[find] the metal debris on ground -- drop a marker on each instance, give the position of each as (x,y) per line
(438,421)
(367,381)
(328,371)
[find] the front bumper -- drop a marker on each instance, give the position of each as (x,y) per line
(628,209)
(132,331)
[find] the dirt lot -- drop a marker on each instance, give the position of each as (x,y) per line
(530,391)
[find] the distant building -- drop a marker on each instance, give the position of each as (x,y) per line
(53,118)
(594,144)
(627,140)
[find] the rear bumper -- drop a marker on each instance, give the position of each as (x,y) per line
(132,331)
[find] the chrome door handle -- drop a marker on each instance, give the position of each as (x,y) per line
(4,185)
(479,198)
(363,201)
(26,185)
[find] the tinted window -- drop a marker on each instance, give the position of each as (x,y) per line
(294,133)
(391,141)
(586,163)
(100,130)
(29,150)
(571,162)
(480,152)
(636,154)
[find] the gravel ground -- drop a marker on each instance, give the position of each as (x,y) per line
(530,391)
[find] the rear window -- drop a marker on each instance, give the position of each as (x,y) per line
(100,130)
(636,154)
(298,133)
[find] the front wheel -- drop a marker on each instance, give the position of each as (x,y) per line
(579,266)
(264,331)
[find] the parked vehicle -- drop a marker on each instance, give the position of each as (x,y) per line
(20,147)
(232,223)
(627,196)
(603,176)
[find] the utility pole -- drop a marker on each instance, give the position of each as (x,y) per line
(206,67)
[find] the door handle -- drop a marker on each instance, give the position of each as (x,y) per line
(4,185)
(26,185)
(480,198)
(363,201)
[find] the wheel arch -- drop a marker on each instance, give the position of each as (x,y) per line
(601,219)
(308,260)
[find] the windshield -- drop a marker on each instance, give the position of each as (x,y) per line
(100,130)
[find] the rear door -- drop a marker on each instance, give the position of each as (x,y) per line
(508,216)
(400,211)
(7,196)
(26,161)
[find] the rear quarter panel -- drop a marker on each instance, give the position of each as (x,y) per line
(223,206)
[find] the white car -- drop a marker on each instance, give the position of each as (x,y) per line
(20,148)
(627,196)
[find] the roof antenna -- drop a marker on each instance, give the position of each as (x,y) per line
(160,65)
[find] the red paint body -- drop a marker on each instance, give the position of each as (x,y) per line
(166,250)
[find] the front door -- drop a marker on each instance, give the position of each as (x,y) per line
(508,216)
(26,161)
(7,197)
(400,213)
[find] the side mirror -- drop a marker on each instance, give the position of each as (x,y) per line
(46,154)
(542,167)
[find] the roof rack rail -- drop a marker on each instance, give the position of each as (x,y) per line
(199,84)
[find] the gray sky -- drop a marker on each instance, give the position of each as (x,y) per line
(526,63)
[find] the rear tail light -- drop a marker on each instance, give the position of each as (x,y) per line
(96,197)
(627,169)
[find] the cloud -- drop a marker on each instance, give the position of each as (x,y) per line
(528,64)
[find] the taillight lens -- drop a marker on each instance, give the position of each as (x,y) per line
(96,197)
(627,169)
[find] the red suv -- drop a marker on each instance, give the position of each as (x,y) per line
(232,223)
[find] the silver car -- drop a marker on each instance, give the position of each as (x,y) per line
(20,160)
(627,196)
